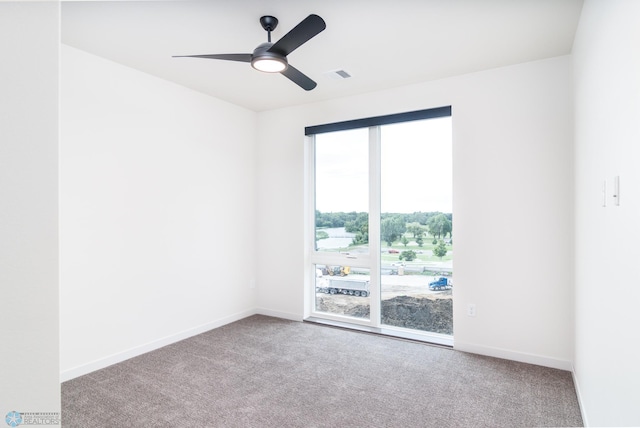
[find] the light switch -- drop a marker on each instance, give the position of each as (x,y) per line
(616,190)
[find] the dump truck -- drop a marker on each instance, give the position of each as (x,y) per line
(350,286)
(441,283)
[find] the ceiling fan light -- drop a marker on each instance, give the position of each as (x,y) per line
(269,64)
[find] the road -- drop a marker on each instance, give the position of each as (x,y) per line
(395,285)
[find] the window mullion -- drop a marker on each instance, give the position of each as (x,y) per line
(309,226)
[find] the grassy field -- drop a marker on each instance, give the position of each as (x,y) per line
(424,253)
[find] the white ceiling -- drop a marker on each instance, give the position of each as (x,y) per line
(381,43)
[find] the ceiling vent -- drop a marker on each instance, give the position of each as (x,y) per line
(337,74)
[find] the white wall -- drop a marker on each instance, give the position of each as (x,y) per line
(29,379)
(513,202)
(607,87)
(157,212)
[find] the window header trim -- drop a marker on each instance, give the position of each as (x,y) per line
(431,113)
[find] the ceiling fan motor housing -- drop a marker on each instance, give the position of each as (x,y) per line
(262,56)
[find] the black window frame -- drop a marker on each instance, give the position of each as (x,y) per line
(431,113)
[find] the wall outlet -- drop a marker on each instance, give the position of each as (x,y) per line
(471,310)
(252,283)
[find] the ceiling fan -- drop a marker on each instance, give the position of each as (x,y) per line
(272,57)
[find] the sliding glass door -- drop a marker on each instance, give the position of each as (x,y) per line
(382,226)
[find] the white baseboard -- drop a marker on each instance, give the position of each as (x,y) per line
(277,314)
(522,357)
(101,363)
(576,384)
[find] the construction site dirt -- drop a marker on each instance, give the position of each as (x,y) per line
(401,306)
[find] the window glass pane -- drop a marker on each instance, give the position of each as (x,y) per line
(416,225)
(342,191)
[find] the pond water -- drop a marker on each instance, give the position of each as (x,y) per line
(338,238)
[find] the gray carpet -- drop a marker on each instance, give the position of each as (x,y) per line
(268,372)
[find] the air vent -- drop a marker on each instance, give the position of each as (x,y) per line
(337,74)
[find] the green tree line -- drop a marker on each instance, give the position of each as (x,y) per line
(393,226)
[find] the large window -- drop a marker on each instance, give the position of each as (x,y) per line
(381,231)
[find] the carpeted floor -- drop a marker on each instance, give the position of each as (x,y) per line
(269,372)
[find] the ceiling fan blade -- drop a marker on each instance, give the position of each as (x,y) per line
(299,78)
(228,57)
(301,33)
